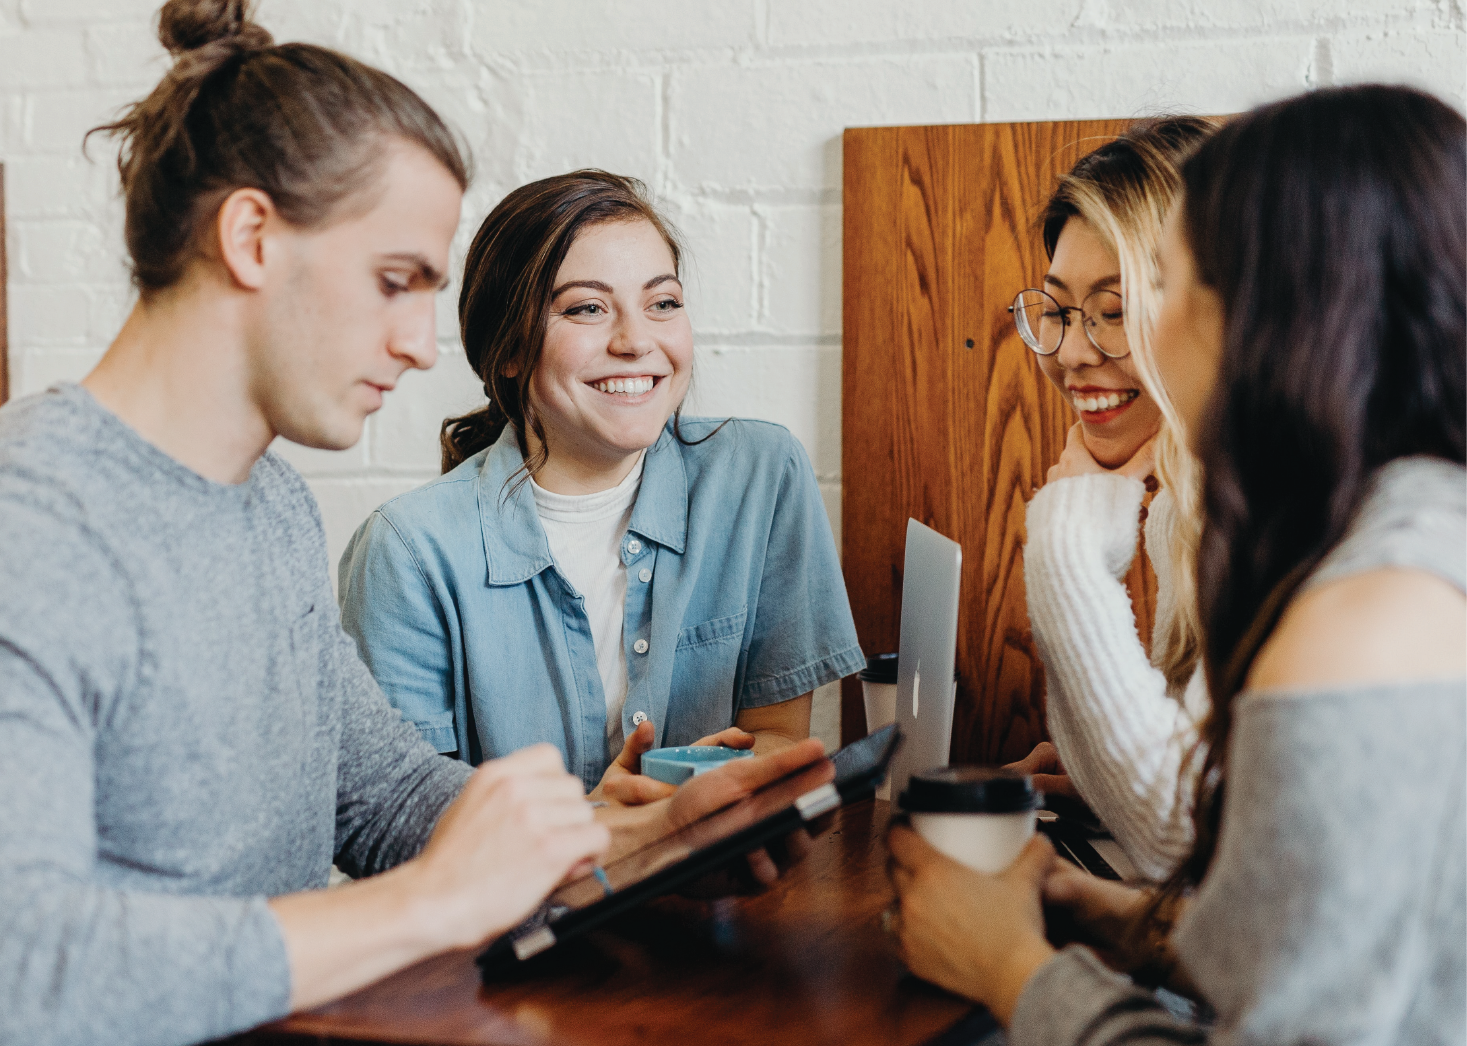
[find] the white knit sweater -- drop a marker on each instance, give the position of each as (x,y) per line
(1122,735)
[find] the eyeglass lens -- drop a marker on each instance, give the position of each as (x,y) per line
(1041,321)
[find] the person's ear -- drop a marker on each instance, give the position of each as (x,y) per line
(242,220)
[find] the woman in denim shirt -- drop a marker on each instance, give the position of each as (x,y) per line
(592,569)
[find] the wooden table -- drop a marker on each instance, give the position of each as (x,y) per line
(804,963)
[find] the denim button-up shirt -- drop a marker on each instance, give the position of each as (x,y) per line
(734,600)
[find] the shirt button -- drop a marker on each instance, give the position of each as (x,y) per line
(644,575)
(638,718)
(634,546)
(640,646)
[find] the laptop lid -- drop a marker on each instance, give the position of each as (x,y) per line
(928,652)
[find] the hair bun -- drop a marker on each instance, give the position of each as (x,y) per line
(186,25)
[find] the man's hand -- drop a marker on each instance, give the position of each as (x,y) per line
(981,936)
(1043,764)
(520,826)
(624,781)
(1076,459)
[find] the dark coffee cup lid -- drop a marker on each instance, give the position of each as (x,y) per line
(880,668)
(970,790)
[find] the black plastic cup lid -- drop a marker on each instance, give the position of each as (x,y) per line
(880,668)
(970,790)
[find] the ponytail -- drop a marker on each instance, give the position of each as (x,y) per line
(303,124)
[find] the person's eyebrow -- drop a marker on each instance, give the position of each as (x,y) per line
(595,285)
(1104,281)
(655,280)
(427,271)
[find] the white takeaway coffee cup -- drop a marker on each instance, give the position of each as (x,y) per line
(980,816)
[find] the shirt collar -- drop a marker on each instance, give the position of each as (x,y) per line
(515,546)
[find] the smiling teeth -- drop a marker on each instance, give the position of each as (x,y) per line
(625,386)
(1107,402)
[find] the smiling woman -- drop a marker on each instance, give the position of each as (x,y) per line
(593,569)
(1123,721)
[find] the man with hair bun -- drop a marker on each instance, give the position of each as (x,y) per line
(190,739)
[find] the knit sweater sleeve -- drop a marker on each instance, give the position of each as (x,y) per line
(1122,737)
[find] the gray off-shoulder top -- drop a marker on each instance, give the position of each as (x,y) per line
(1335,910)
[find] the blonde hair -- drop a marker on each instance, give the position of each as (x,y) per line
(1124,190)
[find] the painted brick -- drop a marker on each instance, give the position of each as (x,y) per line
(59,120)
(314,463)
(778,125)
(1219,76)
(87,12)
(565,129)
(36,370)
(50,315)
(718,265)
(1435,61)
(346,502)
(795,386)
(59,187)
(611,25)
(66,251)
(395,36)
(1142,16)
(126,54)
(404,433)
(800,269)
(41,58)
(823,23)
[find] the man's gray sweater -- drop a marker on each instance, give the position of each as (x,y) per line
(185,731)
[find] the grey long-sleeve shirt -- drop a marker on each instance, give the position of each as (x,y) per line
(1335,910)
(185,731)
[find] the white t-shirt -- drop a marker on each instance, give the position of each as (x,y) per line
(585,532)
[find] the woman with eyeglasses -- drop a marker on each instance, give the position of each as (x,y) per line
(1311,332)
(1123,722)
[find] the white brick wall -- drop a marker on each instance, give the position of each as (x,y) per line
(731,109)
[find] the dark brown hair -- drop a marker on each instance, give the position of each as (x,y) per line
(1333,227)
(303,124)
(504,304)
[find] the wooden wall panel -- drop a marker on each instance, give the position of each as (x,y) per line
(946,416)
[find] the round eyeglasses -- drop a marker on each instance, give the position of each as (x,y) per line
(1041,321)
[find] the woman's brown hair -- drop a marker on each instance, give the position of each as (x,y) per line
(301,123)
(1333,227)
(504,305)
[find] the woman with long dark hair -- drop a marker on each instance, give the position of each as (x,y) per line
(593,569)
(1312,335)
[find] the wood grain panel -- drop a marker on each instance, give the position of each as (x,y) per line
(946,415)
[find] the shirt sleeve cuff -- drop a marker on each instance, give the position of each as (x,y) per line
(774,690)
(1077,998)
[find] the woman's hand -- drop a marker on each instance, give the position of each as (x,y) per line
(1103,912)
(1043,765)
(1076,460)
(624,781)
(636,826)
(981,936)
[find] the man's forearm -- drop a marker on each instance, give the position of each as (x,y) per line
(345,938)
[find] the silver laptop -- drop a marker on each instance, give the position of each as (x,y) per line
(929,644)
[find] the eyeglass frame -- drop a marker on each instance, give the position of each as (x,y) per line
(1064,312)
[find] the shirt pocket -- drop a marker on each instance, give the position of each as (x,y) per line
(705,667)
